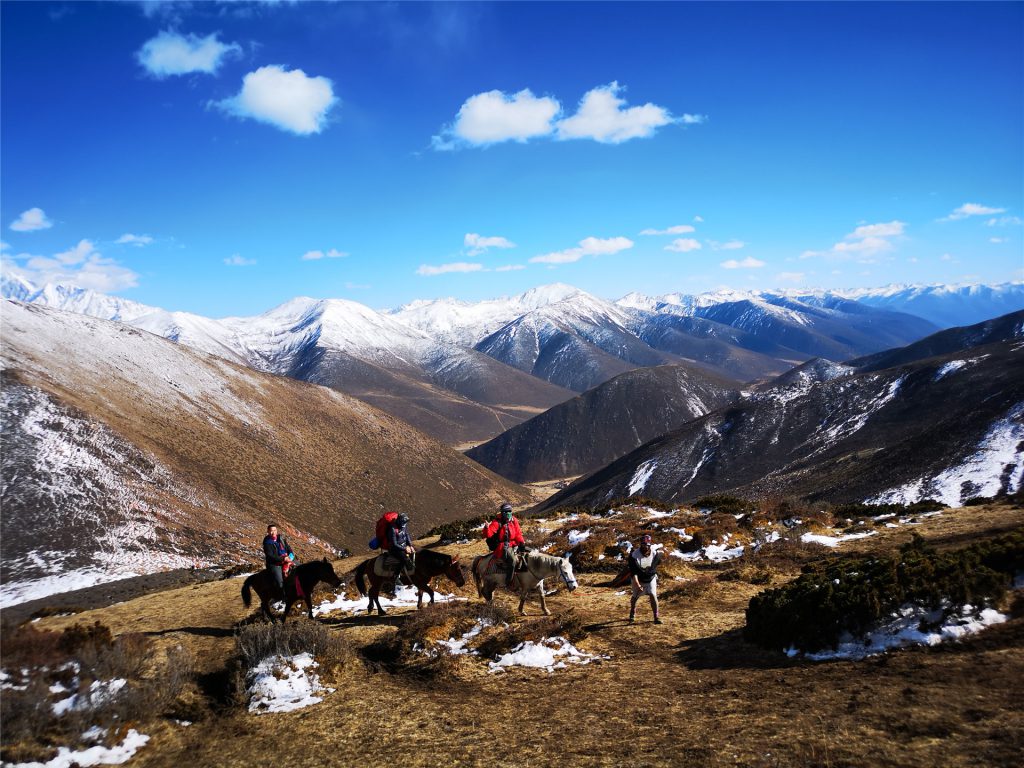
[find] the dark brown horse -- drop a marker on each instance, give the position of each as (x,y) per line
(305,576)
(428,565)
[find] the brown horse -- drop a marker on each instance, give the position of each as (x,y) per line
(428,565)
(306,576)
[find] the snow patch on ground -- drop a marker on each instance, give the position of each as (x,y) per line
(97,755)
(905,628)
(551,653)
(284,684)
(405,597)
(576,536)
(834,541)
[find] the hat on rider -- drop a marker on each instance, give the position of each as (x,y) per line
(402,519)
(506,511)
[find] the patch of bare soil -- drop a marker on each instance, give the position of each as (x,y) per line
(688,692)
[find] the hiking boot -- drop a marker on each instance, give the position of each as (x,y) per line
(632,619)
(657,620)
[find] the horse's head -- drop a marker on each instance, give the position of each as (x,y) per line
(565,569)
(455,573)
(326,572)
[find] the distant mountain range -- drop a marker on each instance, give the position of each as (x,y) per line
(466,372)
(125,454)
(942,418)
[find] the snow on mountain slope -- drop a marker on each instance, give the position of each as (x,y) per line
(126,453)
(945,305)
(466,323)
(828,432)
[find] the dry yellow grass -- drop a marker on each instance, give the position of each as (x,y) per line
(689,692)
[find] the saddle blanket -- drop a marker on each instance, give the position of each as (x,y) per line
(387,566)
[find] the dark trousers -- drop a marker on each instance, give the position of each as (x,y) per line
(277,574)
(404,561)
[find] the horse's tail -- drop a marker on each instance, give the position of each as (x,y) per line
(246,597)
(476,576)
(361,576)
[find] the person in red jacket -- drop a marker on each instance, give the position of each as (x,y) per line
(504,530)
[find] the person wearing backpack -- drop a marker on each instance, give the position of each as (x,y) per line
(506,534)
(399,545)
(278,554)
(643,565)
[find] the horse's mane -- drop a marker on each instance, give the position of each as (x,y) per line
(430,554)
(544,557)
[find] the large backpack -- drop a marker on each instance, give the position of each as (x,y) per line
(386,520)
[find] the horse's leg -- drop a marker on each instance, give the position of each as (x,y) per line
(543,603)
(309,605)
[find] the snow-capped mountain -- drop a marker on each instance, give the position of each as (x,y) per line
(790,327)
(454,393)
(125,454)
(945,305)
(842,433)
(467,323)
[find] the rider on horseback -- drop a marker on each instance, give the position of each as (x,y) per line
(400,545)
(279,556)
(506,531)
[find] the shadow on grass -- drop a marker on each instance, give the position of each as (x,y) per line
(730,651)
(363,620)
(198,631)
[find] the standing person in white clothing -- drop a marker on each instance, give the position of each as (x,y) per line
(643,565)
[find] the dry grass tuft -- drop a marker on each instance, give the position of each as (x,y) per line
(567,624)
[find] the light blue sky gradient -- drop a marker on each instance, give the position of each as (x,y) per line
(781,127)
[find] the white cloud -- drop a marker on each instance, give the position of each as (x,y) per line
(867,246)
(289,100)
(477,244)
(688,119)
(4,246)
(81,265)
(493,117)
(889,229)
(698,219)
(999,239)
(972,209)
(236,260)
(333,253)
(747,263)
(1004,221)
(589,246)
(791,277)
(172,54)
(949,258)
(31,220)
(683,245)
(729,245)
(679,229)
(603,116)
(136,240)
(510,268)
(458,266)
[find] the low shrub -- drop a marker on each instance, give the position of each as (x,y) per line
(852,595)
(459,530)
(256,642)
(691,588)
(858,510)
(566,624)
(725,504)
(46,667)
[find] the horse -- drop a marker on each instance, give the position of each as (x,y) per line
(539,566)
(306,576)
(428,565)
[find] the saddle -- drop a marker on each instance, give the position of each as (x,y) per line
(497,564)
(387,565)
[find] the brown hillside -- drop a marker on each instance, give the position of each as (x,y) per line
(254,446)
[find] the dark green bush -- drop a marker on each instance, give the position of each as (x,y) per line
(856,510)
(457,530)
(854,594)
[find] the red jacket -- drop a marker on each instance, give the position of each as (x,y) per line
(510,533)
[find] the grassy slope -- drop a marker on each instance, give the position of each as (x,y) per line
(689,692)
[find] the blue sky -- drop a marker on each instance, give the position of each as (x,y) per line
(222,158)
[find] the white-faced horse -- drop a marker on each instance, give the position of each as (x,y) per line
(538,567)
